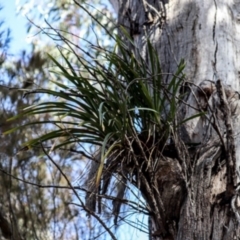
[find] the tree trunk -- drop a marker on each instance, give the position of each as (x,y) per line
(196,194)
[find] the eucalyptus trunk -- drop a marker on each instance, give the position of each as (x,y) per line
(196,185)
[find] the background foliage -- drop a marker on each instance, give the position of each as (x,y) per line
(31,202)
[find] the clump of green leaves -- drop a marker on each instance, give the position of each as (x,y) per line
(111,98)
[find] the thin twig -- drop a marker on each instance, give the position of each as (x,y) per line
(77,195)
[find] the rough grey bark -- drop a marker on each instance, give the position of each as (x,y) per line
(194,193)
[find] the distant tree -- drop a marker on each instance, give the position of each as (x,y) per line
(32,205)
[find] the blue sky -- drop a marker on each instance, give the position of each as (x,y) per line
(17,25)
